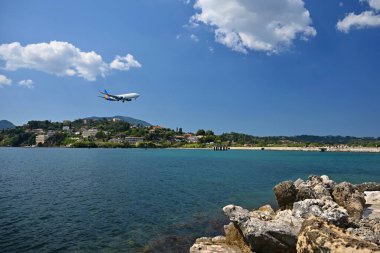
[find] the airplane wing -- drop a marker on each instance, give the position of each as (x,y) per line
(114,97)
(107,95)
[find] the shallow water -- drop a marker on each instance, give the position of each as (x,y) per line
(134,200)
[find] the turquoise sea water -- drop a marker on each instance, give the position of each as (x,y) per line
(133,200)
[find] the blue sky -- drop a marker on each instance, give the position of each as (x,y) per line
(278,68)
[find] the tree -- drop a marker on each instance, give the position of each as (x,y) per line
(56,139)
(200,132)
(209,132)
(85,144)
(100,135)
(148,144)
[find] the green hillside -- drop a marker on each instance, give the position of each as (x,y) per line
(5,124)
(130,120)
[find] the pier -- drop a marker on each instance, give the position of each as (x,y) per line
(221,148)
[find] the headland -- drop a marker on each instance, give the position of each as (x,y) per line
(126,132)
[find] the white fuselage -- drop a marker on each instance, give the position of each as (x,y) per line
(128,96)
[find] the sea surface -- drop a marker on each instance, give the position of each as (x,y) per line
(136,200)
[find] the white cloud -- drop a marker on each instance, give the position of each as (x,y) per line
(55,57)
(124,63)
(374,4)
(243,25)
(4,81)
(27,83)
(366,19)
(358,21)
(194,37)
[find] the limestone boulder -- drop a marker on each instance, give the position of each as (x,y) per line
(368,186)
(346,194)
(213,245)
(355,205)
(320,191)
(317,235)
(265,212)
(277,235)
(314,180)
(298,182)
(367,229)
(286,194)
(314,188)
(372,205)
(236,214)
(304,191)
(232,242)
(325,179)
(235,237)
(266,209)
(324,208)
(328,183)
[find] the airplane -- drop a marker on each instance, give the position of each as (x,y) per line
(122,97)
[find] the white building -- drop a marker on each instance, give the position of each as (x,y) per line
(66,128)
(192,139)
(115,140)
(41,138)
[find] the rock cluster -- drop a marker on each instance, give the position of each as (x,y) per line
(317,235)
(233,242)
(345,194)
(316,215)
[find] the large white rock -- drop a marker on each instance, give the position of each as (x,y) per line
(372,204)
(213,245)
(326,209)
(277,235)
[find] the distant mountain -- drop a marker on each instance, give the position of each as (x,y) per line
(5,124)
(130,120)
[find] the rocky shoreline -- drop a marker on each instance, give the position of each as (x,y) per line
(316,215)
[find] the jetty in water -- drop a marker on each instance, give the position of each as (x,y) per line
(221,148)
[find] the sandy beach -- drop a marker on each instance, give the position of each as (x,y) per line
(318,149)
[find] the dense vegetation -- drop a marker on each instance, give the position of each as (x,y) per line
(112,134)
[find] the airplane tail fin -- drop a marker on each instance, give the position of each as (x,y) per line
(105,92)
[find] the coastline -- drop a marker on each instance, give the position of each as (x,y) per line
(303,149)
(313,149)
